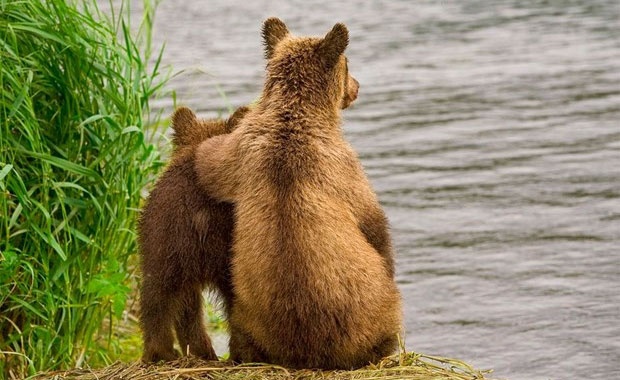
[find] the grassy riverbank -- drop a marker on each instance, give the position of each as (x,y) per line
(402,366)
(405,365)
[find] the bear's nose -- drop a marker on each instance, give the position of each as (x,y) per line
(357,86)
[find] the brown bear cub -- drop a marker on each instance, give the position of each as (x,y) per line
(185,238)
(312,265)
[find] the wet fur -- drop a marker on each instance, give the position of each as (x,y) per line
(185,238)
(312,260)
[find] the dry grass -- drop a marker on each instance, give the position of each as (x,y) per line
(404,366)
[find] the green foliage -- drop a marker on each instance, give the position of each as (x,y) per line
(74,158)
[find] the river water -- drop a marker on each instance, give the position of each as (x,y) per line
(491,133)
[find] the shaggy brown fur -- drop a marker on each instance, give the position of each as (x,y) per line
(185,237)
(312,261)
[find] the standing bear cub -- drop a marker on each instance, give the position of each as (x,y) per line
(312,264)
(185,238)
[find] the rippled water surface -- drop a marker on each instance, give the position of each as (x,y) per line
(491,132)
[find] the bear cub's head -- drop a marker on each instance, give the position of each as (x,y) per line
(189,130)
(308,68)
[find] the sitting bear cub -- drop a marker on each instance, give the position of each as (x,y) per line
(185,238)
(312,265)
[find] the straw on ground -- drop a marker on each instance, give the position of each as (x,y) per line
(401,366)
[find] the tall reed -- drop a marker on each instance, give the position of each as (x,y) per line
(74,157)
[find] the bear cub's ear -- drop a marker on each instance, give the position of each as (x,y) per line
(334,44)
(235,118)
(183,119)
(274,31)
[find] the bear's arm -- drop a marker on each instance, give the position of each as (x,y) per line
(216,166)
(371,218)
(374,225)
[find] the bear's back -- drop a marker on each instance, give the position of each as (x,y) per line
(310,309)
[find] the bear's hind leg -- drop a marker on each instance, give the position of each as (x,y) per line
(157,311)
(243,349)
(383,348)
(190,327)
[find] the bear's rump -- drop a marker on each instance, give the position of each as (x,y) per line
(323,291)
